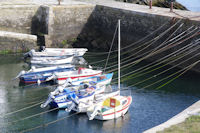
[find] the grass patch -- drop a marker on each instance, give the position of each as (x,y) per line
(190,125)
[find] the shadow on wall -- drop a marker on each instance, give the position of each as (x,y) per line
(98,32)
(39,25)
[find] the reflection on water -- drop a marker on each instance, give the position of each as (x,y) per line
(149,107)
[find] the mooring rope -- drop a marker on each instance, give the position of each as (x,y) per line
(163,59)
(166,70)
(110,48)
(25,108)
(186,69)
(141,55)
(47,124)
(31,116)
(156,52)
(152,33)
(152,41)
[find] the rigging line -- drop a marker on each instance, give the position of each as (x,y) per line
(163,66)
(187,69)
(31,116)
(151,42)
(163,43)
(156,52)
(171,80)
(139,56)
(22,109)
(158,68)
(147,51)
(138,40)
(186,34)
(166,70)
(161,60)
(123,53)
(110,48)
(47,124)
(182,33)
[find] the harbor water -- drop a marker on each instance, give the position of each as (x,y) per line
(149,108)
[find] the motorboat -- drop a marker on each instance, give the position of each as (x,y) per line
(73,95)
(36,75)
(52,52)
(80,73)
(50,62)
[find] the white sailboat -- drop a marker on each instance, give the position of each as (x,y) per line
(114,106)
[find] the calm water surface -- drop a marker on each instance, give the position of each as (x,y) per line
(149,107)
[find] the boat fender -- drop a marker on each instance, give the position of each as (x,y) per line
(33,68)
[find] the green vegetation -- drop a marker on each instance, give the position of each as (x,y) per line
(64,42)
(5,52)
(190,125)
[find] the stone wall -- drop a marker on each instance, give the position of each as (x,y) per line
(66,23)
(99,30)
(16,42)
(17,18)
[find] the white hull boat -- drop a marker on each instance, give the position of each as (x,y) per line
(52,62)
(83,107)
(53,52)
(35,75)
(111,108)
(79,74)
(68,97)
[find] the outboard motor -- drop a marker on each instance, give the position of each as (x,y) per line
(43,105)
(75,102)
(29,54)
(95,112)
(42,48)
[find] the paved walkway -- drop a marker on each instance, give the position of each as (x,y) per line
(113,4)
(193,109)
(145,9)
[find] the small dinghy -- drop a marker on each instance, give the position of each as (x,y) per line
(81,73)
(50,62)
(52,52)
(35,75)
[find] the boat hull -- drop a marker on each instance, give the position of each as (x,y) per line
(116,113)
(61,80)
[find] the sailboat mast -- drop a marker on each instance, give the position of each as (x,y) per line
(119,54)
